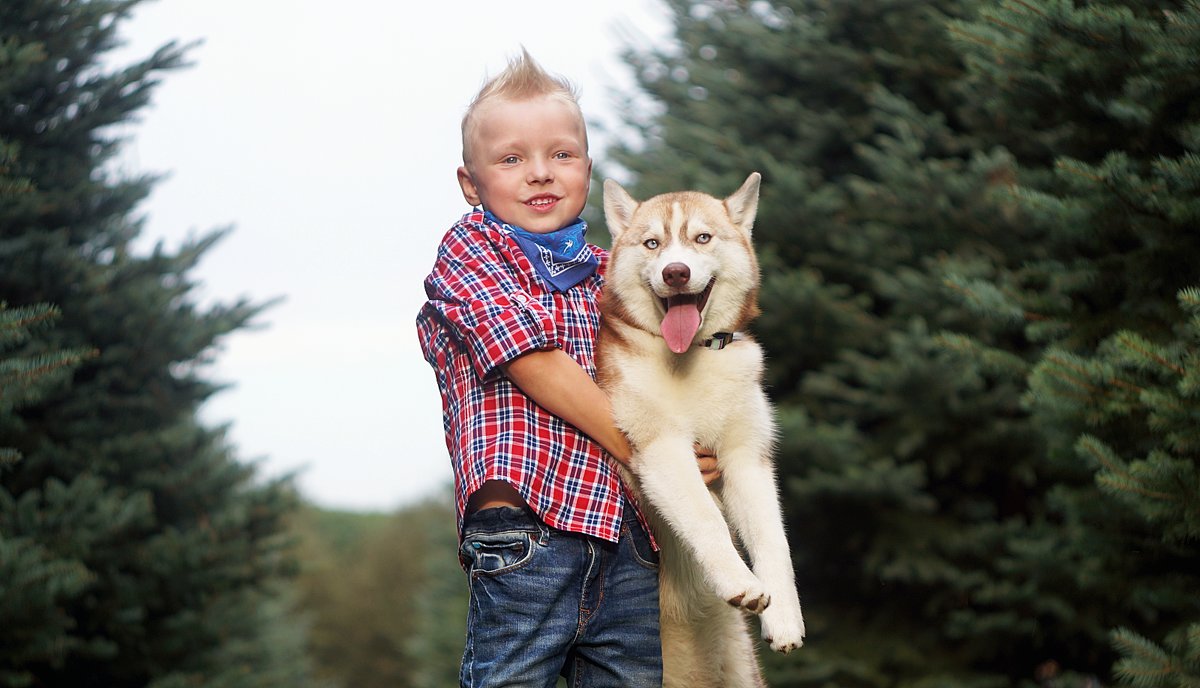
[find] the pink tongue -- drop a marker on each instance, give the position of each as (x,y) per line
(680,325)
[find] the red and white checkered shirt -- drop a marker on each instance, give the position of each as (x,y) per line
(486,307)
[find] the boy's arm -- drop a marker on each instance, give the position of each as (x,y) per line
(558,384)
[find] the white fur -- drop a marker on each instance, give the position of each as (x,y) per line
(665,401)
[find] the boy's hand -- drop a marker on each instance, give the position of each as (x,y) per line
(707,462)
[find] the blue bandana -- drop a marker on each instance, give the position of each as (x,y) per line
(561,257)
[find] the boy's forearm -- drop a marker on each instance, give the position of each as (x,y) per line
(558,384)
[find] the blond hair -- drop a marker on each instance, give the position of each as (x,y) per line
(523,79)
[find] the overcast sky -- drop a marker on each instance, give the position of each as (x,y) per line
(327,135)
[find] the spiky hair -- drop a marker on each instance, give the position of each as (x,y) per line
(523,79)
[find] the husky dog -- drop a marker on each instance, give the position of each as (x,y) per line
(681,284)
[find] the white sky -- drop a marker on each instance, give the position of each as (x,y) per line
(327,134)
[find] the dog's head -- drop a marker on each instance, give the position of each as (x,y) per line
(682,263)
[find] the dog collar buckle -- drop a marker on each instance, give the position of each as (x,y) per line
(718,341)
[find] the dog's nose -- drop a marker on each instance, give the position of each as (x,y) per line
(677,274)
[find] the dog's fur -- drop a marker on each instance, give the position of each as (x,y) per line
(691,247)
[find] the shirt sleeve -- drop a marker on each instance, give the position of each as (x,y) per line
(477,299)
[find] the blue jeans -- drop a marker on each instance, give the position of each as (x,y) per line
(546,603)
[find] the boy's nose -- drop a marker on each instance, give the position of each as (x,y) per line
(539,171)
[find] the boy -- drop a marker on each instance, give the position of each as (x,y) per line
(562,571)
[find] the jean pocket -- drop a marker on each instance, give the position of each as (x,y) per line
(639,543)
(491,554)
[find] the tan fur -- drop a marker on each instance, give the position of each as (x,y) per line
(666,401)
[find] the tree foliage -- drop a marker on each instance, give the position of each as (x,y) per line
(1113,297)
(134,549)
(386,597)
(25,378)
(976,223)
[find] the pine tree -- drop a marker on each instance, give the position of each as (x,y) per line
(386,596)
(1113,91)
(26,602)
(136,551)
(829,101)
(23,379)
(940,536)
(441,603)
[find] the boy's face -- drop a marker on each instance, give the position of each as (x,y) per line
(528,163)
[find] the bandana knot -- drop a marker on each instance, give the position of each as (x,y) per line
(562,257)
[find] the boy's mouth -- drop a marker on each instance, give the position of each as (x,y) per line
(542,202)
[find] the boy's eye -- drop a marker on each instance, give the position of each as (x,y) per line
(650,244)
(511,160)
(562,155)
(703,238)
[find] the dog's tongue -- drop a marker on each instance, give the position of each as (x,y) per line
(680,324)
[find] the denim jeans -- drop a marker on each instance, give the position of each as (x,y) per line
(546,603)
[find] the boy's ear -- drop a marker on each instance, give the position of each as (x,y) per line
(469,192)
(618,208)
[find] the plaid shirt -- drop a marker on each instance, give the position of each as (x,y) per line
(486,307)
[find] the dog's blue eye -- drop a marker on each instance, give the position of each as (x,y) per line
(703,238)
(650,244)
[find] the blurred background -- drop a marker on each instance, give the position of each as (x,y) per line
(221,460)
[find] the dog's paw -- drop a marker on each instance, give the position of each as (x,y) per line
(751,596)
(783,628)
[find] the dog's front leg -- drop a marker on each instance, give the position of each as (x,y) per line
(752,505)
(666,471)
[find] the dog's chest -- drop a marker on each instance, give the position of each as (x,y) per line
(714,385)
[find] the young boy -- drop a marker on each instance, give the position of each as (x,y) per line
(562,572)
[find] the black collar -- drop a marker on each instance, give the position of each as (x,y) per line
(718,341)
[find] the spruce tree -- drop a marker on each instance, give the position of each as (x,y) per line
(1112,300)
(136,550)
(29,606)
(25,378)
(795,89)
(385,596)
(925,510)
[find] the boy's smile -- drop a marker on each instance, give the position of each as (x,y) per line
(528,163)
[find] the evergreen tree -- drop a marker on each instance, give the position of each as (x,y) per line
(940,538)
(386,595)
(23,379)
(135,550)
(903,469)
(440,623)
(24,566)
(1113,300)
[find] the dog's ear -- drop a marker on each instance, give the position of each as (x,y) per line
(618,208)
(743,204)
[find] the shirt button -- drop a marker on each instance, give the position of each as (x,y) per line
(520,298)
